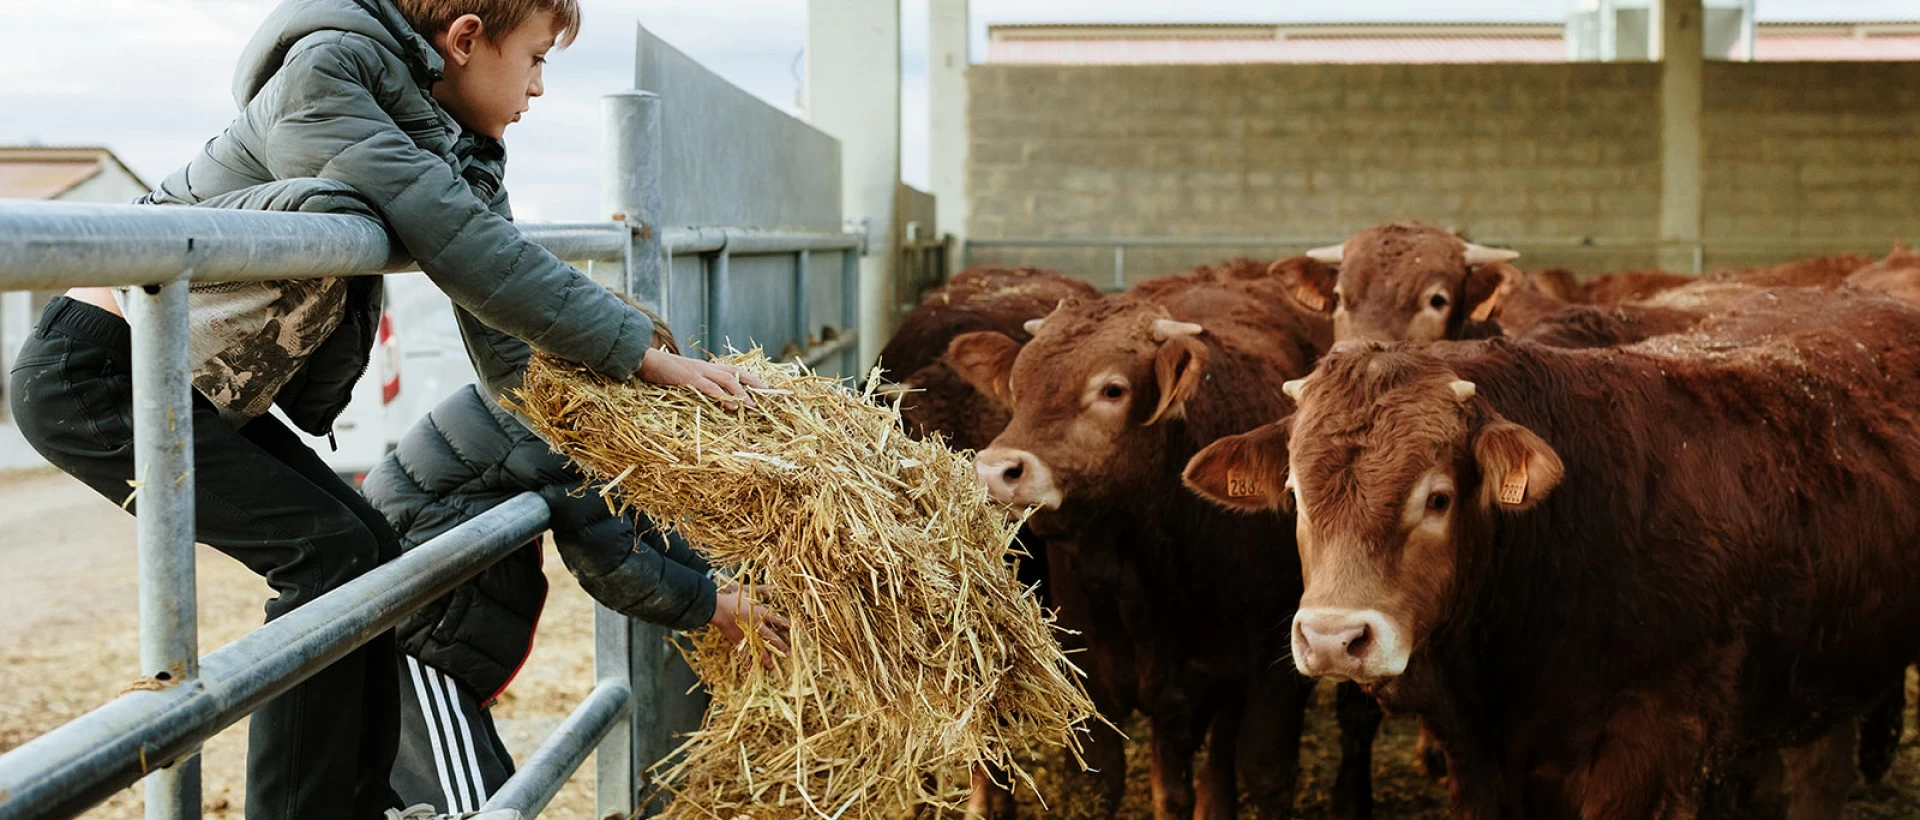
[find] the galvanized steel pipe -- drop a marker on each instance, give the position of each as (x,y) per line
(542,775)
(750,242)
(164,504)
(69,769)
(58,245)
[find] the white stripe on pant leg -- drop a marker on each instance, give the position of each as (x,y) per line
(433,732)
(466,736)
(453,743)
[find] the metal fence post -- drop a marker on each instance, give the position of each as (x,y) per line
(850,310)
(632,193)
(1119,267)
(802,303)
(163,478)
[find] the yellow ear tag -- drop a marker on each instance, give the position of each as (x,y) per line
(1310,297)
(1480,314)
(1513,488)
(1241,485)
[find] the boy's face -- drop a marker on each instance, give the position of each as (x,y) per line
(490,81)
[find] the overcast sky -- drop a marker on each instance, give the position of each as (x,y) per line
(150,78)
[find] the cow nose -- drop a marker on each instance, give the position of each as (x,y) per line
(1003,472)
(1332,644)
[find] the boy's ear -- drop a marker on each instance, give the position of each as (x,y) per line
(461,36)
(1247,472)
(985,359)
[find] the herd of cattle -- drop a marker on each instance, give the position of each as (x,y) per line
(1639,546)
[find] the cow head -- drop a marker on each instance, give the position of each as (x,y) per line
(1090,397)
(1394,470)
(1411,282)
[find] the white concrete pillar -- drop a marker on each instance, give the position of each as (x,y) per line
(1682,150)
(852,92)
(947,60)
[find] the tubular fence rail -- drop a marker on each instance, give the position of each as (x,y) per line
(154,730)
(1688,255)
(922,266)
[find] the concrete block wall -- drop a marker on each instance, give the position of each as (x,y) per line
(1504,153)
(1820,153)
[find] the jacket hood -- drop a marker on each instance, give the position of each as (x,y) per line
(294,20)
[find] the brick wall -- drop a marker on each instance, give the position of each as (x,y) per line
(1503,152)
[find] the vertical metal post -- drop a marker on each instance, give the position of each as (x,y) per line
(850,310)
(719,316)
(614,783)
(163,476)
(802,290)
(630,191)
(1119,267)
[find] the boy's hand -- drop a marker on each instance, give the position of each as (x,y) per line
(717,380)
(734,610)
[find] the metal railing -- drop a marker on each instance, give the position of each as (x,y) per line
(922,266)
(154,731)
(1693,256)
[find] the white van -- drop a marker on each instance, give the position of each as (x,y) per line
(418,360)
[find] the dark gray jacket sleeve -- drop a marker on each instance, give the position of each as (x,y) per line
(500,360)
(326,123)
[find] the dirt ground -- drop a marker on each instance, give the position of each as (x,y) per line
(67,578)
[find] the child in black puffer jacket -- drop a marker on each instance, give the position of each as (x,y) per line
(458,653)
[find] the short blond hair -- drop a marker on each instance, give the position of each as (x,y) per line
(497,17)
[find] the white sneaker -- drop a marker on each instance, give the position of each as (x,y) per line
(426,811)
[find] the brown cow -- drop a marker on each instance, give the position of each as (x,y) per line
(1721,288)
(933,398)
(1897,274)
(1414,282)
(1628,286)
(1183,608)
(1595,572)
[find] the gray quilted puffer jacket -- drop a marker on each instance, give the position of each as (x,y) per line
(339,90)
(469,455)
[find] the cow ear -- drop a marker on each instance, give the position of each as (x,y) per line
(1487,284)
(1308,281)
(1178,367)
(1245,472)
(1517,468)
(985,359)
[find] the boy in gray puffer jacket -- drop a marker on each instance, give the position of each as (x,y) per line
(393,109)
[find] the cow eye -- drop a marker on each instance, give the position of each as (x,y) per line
(1113,392)
(1439,502)
(1439,300)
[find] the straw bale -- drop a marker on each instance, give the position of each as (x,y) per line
(915,653)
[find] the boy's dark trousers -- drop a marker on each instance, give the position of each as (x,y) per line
(326,747)
(450,753)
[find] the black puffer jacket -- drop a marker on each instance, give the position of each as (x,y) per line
(469,455)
